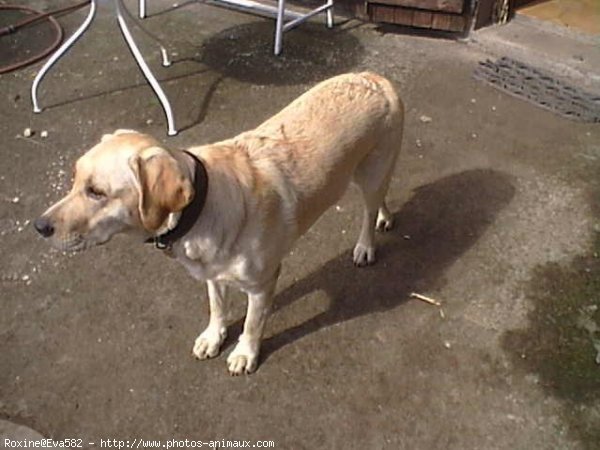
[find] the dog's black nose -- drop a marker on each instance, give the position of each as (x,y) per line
(44,226)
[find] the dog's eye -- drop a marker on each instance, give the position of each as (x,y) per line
(94,193)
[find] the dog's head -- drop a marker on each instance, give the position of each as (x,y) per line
(126,182)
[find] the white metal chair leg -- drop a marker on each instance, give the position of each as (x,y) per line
(63,48)
(142,9)
(329,14)
(171,130)
(279,26)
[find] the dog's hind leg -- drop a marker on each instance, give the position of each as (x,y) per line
(385,221)
(373,176)
(364,250)
(209,342)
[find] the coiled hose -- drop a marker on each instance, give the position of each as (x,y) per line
(35,16)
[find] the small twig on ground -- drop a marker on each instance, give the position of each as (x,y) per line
(425,299)
(18,136)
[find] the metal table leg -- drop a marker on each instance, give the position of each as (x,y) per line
(63,48)
(145,69)
(279,27)
(329,13)
(166,62)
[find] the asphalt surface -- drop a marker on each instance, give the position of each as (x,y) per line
(496,207)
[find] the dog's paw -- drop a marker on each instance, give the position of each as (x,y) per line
(363,255)
(242,360)
(384,222)
(208,344)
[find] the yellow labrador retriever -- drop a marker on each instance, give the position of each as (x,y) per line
(230,211)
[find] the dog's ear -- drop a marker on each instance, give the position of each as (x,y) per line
(163,187)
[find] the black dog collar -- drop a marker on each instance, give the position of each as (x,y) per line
(190,213)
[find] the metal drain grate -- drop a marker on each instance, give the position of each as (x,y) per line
(540,88)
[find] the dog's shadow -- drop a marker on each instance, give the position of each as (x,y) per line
(439,223)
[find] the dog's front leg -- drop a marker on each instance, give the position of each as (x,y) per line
(244,357)
(209,342)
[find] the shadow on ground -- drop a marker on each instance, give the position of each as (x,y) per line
(311,53)
(561,345)
(443,220)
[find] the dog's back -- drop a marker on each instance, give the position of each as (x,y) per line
(319,139)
